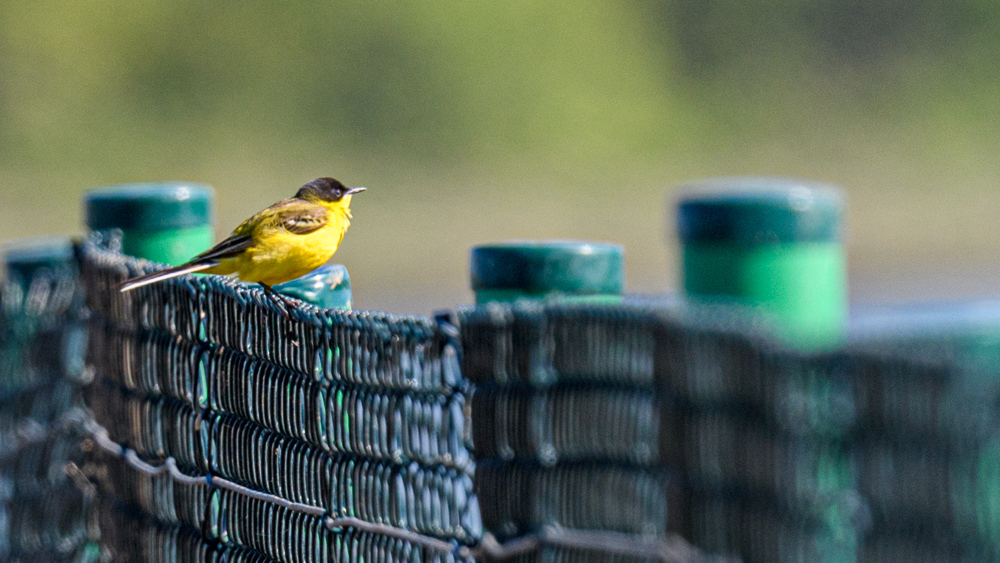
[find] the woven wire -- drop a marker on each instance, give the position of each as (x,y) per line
(567,424)
(929,451)
(130,536)
(377,350)
(43,514)
(730,524)
(700,403)
(518,499)
(860,453)
(180,519)
(389,424)
(354,415)
(580,414)
(431,501)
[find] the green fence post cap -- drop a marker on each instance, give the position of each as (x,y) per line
(149,206)
(168,222)
(24,256)
(773,246)
(542,267)
(328,287)
(758,211)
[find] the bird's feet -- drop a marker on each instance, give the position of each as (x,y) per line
(284,303)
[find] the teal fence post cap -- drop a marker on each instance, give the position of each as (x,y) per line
(23,257)
(167,222)
(538,268)
(755,211)
(328,287)
(149,206)
(773,246)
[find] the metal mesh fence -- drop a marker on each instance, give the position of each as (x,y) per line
(224,431)
(44,516)
(927,446)
(883,450)
(227,431)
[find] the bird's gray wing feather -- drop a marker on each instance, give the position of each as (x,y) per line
(225,249)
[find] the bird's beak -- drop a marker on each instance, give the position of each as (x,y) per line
(353,191)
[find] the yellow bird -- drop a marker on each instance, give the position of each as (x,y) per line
(285,241)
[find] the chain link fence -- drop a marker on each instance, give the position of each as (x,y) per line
(193,421)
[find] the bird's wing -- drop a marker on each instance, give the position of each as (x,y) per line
(263,219)
(293,215)
(232,246)
(242,237)
(302,219)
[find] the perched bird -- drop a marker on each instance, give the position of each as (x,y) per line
(285,241)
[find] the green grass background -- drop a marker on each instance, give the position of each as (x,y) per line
(474,121)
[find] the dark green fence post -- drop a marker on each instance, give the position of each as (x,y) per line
(569,270)
(772,245)
(167,222)
(23,258)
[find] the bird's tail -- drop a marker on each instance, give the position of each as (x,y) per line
(161,275)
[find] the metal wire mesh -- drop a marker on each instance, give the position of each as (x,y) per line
(928,460)
(648,420)
(228,432)
(43,514)
(340,418)
(377,350)
(886,449)
(330,436)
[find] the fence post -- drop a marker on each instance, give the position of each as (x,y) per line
(327,287)
(772,245)
(167,222)
(569,270)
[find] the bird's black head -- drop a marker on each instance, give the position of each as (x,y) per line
(326,189)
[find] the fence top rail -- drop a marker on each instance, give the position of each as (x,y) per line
(101,254)
(212,307)
(405,352)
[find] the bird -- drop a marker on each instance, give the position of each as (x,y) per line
(283,242)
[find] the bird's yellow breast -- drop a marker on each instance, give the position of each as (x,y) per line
(278,256)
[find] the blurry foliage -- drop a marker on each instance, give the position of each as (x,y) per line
(714,34)
(85,82)
(451,79)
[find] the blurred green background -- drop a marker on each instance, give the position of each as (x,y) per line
(473,121)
